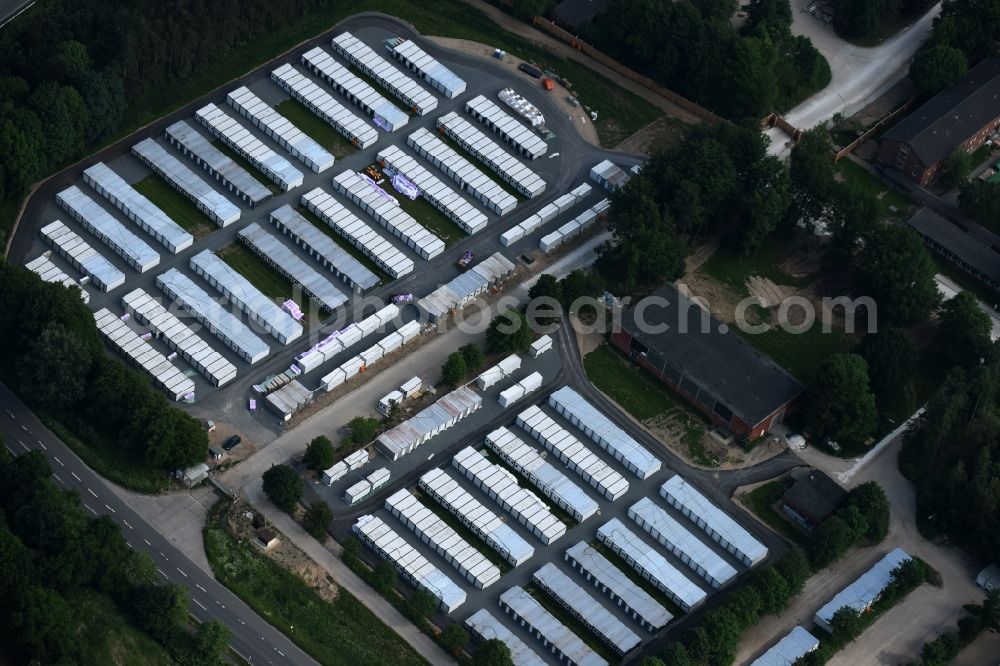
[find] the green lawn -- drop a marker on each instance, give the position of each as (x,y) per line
(250,168)
(761,501)
(344,244)
(801,354)
(433,219)
(731,268)
(504,185)
(857,174)
(464,532)
(253,268)
(180,209)
(109,639)
(309,122)
(342,633)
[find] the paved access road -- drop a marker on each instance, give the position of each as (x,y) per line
(10,8)
(253,638)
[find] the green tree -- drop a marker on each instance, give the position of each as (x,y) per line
(492,652)
(855,214)
(892,356)
(847,623)
(768,11)
(896,271)
(283,487)
(362,429)
(794,568)
(384,577)
(546,286)
(765,203)
(352,549)
(870,500)
(159,609)
(811,174)
(319,454)
(65,117)
(963,337)
(676,654)
(316,518)
(453,638)
(839,404)
(420,606)
(508,333)
(454,369)
(829,541)
(42,625)
(473,355)
(857,18)
(211,643)
(772,588)
(55,370)
(956,168)
(936,68)
(980,200)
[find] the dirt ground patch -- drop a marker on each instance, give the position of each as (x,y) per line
(239,524)
(767,292)
(657,135)
(719,299)
(217,437)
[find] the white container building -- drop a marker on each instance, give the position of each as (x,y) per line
(564,644)
(501,486)
(650,564)
(99,222)
(789,650)
(601,430)
(683,544)
(178,336)
(217,207)
(445,541)
(332,345)
(220,166)
(484,626)
(572,453)
(462,171)
(613,582)
(346,224)
(513,133)
(540,346)
(522,107)
(484,149)
(485,524)
(289,400)
(246,297)
(462,289)
(608,175)
(137,208)
(335,473)
(220,321)
(280,129)
(411,387)
(385,210)
(357,459)
(430,70)
(862,593)
(498,372)
(525,387)
(384,113)
(714,521)
(310,95)
(412,94)
(435,418)
(585,609)
(82,256)
(44,268)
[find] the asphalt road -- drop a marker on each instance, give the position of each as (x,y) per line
(252,638)
(8,8)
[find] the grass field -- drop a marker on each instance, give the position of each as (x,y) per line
(309,122)
(855,173)
(801,354)
(270,282)
(173,203)
(433,219)
(110,639)
(731,268)
(347,247)
(342,633)
(761,501)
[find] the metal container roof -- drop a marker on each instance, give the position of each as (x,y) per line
(483,624)
(215,161)
(509,129)
(43,267)
(795,645)
(524,607)
(308,93)
(432,71)
(359,54)
(860,594)
(84,258)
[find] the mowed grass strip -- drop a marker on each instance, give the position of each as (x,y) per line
(177,207)
(345,244)
(270,282)
(632,387)
(341,633)
(432,219)
(318,130)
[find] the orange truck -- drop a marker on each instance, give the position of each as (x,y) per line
(548,84)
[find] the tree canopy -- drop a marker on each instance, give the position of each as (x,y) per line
(839,404)
(319,454)
(892,356)
(283,487)
(509,332)
(963,336)
(895,269)
(454,369)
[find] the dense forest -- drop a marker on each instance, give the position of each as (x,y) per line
(54,557)
(966,32)
(55,358)
(692,48)
(863,18)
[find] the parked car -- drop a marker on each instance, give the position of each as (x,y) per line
(530,71)
(231,443)
(795,441)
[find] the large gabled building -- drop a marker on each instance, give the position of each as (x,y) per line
(735,385)
(962,116)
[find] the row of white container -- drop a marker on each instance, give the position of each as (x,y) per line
(540,346)
(484,149)
(352,367)
(367,486)
(141,354)
(324,105)
(572,453)
(137,208)
(714,521)
(191,143)
(412,566)
(577,225)
(352,461)
(280,129)
(412,94)
(468,176)
(82,256)
(636,458)
(247,298)
(323,249)
(466,286)
(523,388)
(445,541)
(613,582)
(220,322)
(179,337)
(499,372)
(683,544)
(485,524)
(99,222)
(513,133)
(501,486)
(385,210)
(218,208)
(430,70)
(555,485)
(347,225)
(548,212)
(290,399)
(246,144)
(44,268)
(483,625)
(650,564)
(609,175)
(406,390)
(384,113)
(522,107)
(450,203)
(553,634)
(289,264)
(585,609)
(351,334)
(428,422)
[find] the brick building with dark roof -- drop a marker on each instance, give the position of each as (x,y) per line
(736,386)
(972,248)
(962,116)
(812,498)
